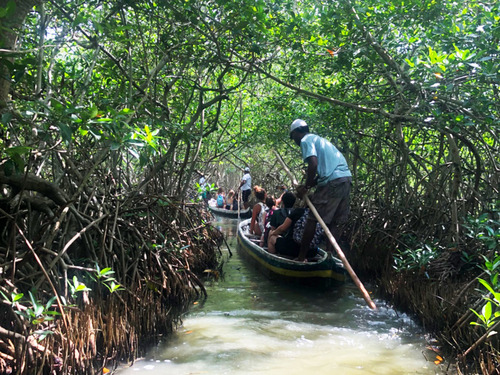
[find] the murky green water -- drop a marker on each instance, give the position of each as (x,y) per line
(250,325)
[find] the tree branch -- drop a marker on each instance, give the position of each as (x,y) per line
(33,183)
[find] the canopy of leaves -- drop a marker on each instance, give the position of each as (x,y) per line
(118,99)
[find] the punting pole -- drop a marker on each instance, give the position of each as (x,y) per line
(334,243)
(239,203)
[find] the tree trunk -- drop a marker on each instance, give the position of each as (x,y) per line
(11,24)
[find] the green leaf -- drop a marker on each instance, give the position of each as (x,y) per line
(9,168)
(116,287)
(32,299)
(135,142)
(106,271)
(5,298)
(52,312)
(38,310)
(66,133)
(6,117)
(486,285)
(492,333)
(24,314)
(8,10)
(81,288)
(19,162)
(42,334)
(50,302)
(18,150)
(93,112)
(496,296)
(134,153)
(487,311)
(126,111)
(79,19)
(410,63)
(114,146)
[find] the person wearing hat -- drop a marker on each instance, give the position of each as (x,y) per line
(327,170)
(246,186)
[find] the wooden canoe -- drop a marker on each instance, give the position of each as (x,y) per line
(244,214)
(324,270)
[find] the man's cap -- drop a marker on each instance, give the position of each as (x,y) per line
(297,124)
(247,169)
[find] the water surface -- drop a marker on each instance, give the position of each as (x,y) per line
(251,325)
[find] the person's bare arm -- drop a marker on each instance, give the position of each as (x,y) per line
(312,169)
(255,213)
(275,233)
(282,228)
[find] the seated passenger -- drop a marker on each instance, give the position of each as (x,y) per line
(284,241)
(271,206)
(220,198)
(235,202)
(229,199)
(258,212)
(211,201)
(287,201)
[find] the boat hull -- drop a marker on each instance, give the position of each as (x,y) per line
(244,214)
(327,271)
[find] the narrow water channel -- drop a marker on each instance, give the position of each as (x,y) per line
(251,325)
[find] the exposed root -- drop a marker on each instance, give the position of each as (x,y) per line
(122,272)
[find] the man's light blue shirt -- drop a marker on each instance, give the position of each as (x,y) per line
(331,162)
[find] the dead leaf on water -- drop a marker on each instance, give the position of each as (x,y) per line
(438,360)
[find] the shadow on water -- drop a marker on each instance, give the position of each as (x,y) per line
(252,325)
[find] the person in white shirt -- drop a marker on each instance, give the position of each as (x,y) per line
(246,187)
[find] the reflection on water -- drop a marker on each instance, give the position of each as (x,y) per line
(250,325)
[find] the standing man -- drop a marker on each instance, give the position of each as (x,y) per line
(327,169)
(246,186)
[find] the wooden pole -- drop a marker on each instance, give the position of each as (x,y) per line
(239,202)
(332,240)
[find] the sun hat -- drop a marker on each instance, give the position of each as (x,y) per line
(247,169)
(297,124)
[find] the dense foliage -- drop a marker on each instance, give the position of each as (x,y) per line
(123,101)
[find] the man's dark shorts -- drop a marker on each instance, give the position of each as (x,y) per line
(287,246)
(245,194)
(332,201)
